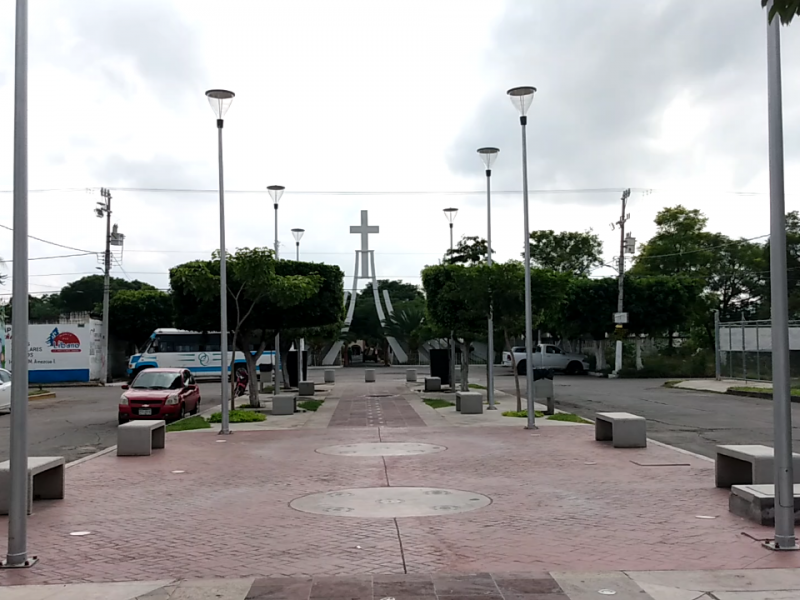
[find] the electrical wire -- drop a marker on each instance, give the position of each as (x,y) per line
(38,239)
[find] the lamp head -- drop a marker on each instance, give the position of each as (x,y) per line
(450,214)
(220,101)
(488,156)
(275,192)
(522,97)
(298,233)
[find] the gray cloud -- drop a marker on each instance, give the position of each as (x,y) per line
(150,35)
(606,71)
(159,172)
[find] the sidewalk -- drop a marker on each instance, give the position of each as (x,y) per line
(487,498)
(721,386)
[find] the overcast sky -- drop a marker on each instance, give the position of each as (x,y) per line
(667,97)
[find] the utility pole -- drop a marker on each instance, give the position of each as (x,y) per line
(104,210)
(620,318)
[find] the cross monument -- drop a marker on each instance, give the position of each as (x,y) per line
(364,229)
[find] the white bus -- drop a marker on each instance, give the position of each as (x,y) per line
(193,350)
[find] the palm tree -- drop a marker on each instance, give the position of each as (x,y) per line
(407,325)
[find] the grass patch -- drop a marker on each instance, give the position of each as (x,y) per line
(522,414)
(267,389)
(435,403)
(195,422)
(570,418)
(476,386)
(762,390)
(311,405)
(239,416)
(673,383)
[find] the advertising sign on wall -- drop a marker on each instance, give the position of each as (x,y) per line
(57,352)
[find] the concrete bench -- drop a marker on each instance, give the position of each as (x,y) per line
(757,503)
(330,376)
(622,429)
(411,375)
(284,404)
(433,384)
(306,388)
(369,375)
(45,481)
(140,438)
(469,403)
(748,464)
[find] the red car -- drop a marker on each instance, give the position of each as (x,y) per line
(160,394)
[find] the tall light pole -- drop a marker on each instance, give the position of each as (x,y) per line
(104,210)
(522,97)
(621,318)
(17,556)
(297,234)
(782,411)
(275,192)
(450,214)
(220,101)
(488,156)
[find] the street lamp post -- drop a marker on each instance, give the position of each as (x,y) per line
(522,97)
(104,210)
(488,156)
(451,214)
(220,101)
(297,234)
(17,556)
(782,411)
(275,192)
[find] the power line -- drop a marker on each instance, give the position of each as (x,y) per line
(54,257)
(704,249)
(38,239)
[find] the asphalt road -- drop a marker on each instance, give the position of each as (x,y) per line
(695,421)
(78,422)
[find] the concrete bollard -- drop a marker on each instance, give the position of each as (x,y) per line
(411,375)
(306,388)
(433,384)
(284,404)
(330,376)
(469,403)
(369,375)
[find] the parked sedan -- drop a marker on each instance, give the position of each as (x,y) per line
(5,391)
(159,394)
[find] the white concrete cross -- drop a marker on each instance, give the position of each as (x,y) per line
(364,229)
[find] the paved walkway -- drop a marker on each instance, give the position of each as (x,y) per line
(210,508)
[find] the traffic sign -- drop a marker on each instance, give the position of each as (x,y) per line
(621,318)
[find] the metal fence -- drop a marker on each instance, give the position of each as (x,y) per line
(744,350)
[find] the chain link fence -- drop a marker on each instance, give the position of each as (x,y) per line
(744,350)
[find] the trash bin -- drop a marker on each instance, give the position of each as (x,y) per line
(543,388)
(264,376)
(291,365)
(440,364)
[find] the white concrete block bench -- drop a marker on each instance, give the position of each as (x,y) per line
(757,503)
(369,375)
(45,480)
(284,404)
(330,376)
(433,384)
(748,464)
(411,375)
(140,438)
(469,403)
(622,429)
(306,388)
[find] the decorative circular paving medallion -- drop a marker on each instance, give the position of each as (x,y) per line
(390,502)
(381,449)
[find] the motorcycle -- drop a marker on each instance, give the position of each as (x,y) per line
(241,382)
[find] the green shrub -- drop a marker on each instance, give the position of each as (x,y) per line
(476,386)
(700,364)
(239,416)
(523,414)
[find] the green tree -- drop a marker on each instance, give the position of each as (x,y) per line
(366,325)
(786,9)
(407,326)
(588,309)
(86,294)
(135,314)
(470,250)
(251,281)
(572,252)
(41,309)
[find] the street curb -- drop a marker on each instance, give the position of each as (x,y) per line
(75,463)
(47,396)
(681,450)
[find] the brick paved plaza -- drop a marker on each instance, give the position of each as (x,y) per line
(560,502)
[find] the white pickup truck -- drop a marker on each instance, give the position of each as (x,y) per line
(548,356)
